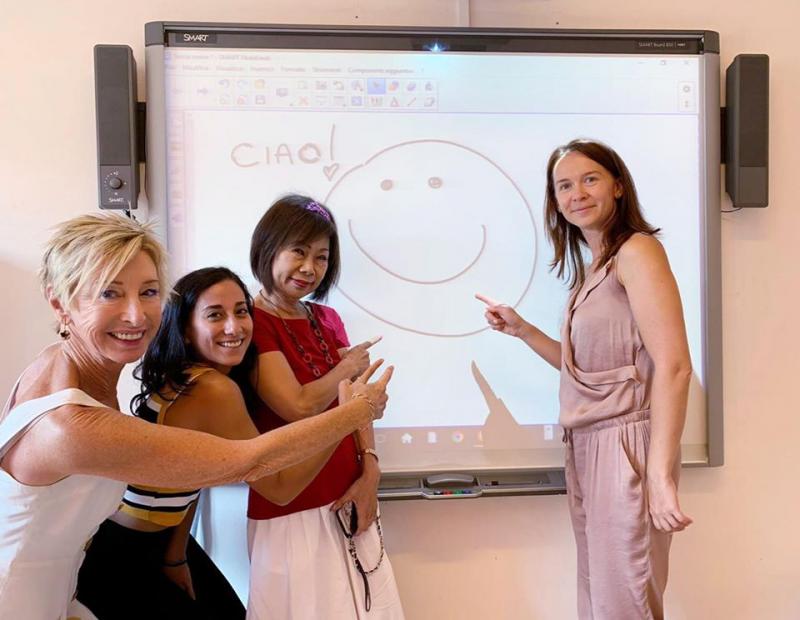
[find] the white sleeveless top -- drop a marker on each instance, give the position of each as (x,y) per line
(44,529)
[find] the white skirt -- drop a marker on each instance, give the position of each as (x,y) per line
(300,569)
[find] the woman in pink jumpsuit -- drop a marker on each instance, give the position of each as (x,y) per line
(625,370)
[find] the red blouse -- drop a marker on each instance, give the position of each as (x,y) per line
(342,469)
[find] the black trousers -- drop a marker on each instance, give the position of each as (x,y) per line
(121,579)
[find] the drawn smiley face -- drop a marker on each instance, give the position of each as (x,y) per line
(423,226)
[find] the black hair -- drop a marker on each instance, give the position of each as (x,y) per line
(294,218)
(163,369)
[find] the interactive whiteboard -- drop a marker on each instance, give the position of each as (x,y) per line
(430,146)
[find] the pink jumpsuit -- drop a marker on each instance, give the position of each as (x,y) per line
(606,378)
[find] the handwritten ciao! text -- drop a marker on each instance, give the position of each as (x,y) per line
(247,155)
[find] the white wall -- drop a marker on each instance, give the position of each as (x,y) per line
(500,558)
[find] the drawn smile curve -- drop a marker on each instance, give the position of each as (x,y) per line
(412,280)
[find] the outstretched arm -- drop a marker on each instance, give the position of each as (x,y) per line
(103,442)
(503,318)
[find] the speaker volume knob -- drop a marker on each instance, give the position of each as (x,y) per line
(115,182)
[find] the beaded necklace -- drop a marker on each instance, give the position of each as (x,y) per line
(321,344)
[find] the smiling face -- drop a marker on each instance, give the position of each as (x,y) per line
(423,226)
(586,192)
(117,325)
(418,192)
(220,326)
(299,267)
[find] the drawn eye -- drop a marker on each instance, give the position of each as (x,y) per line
(387,184)
(435,182)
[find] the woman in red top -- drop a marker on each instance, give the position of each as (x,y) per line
(320,556)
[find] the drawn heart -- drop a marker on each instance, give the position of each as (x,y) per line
(330,171)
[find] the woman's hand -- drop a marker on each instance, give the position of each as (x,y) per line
(502,317)
(662,496)
(357,358)
(364,495)
(181,576)
(374,393)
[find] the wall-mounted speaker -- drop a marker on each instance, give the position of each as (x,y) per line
(117,139)
(747,130)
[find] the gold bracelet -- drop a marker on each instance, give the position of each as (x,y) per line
(372,407)
(369,451)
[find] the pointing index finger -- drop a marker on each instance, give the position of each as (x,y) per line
(384,378)
(370,371)
(367,343)
(487,300)
(374,340)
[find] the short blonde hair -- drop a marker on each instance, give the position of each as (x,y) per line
(92,250)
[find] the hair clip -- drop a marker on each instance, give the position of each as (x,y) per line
(317,208)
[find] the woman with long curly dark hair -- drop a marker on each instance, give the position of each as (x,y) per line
(195,375)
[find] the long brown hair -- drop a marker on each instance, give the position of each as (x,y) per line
(567,238)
